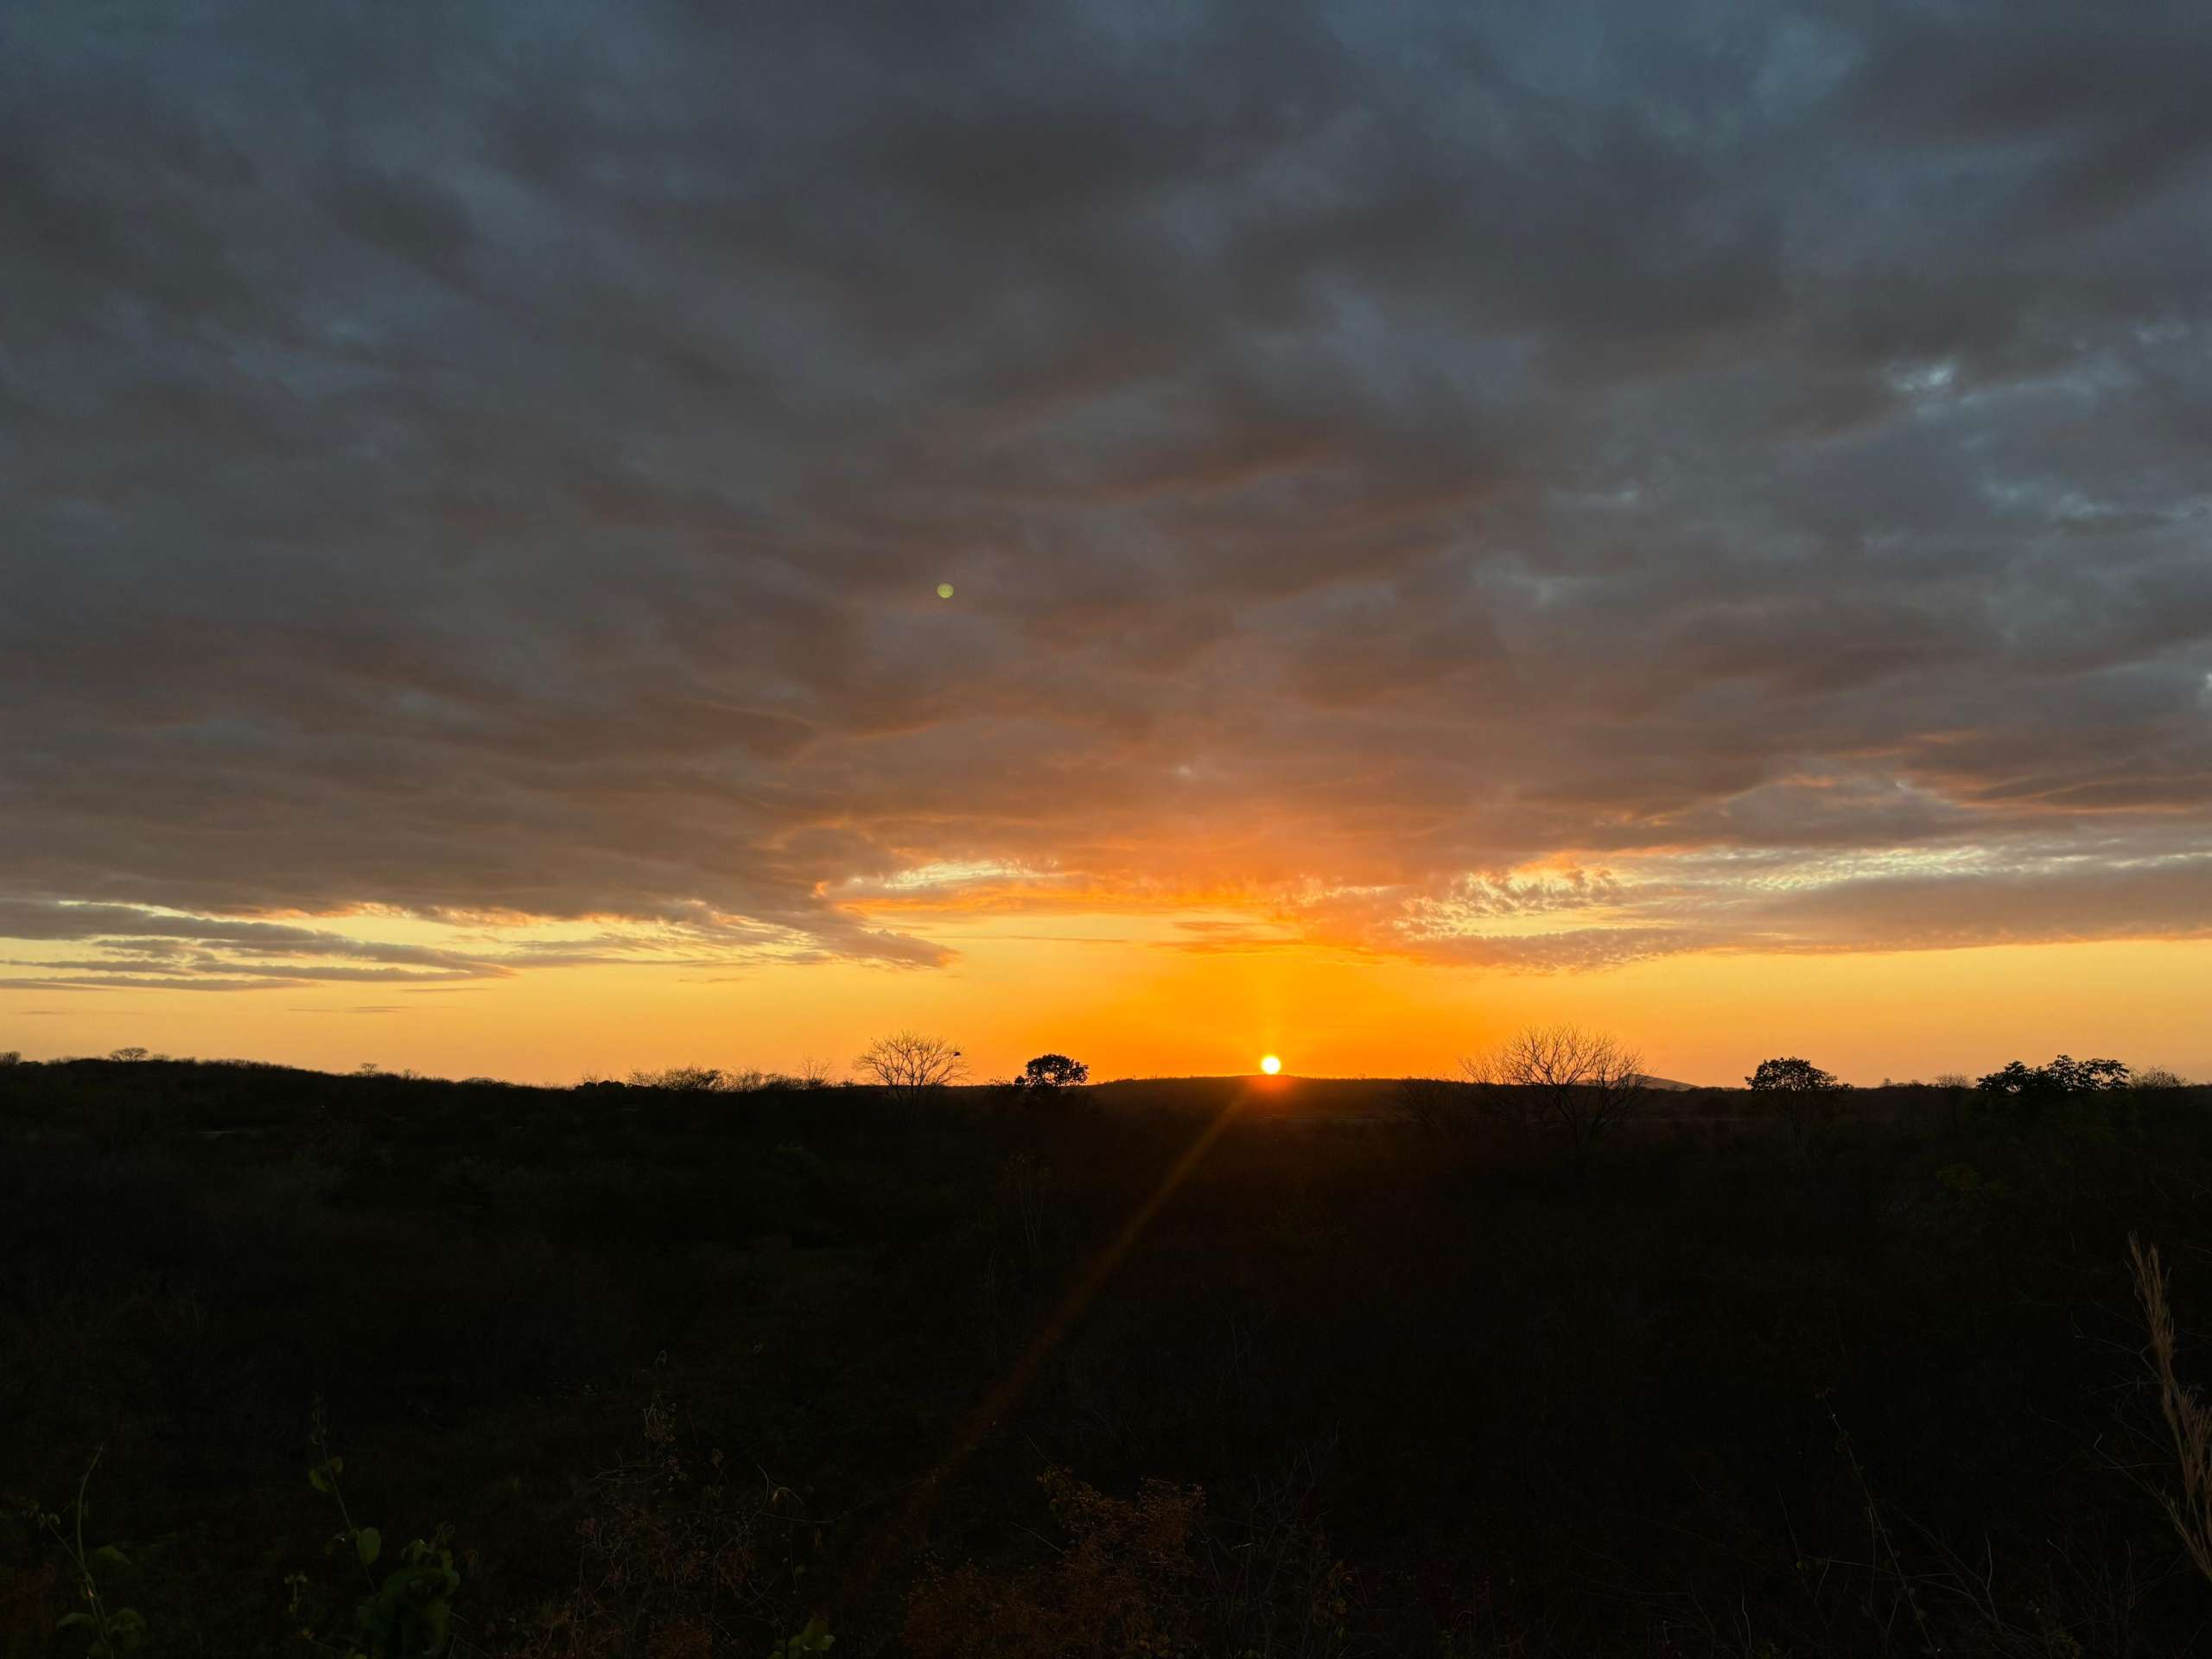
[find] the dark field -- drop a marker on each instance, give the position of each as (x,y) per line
(681,1372)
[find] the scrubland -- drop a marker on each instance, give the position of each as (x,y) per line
(1208,1367)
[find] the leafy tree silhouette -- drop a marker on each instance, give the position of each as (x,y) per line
(1802,1094)
(2022,1094)
(1052,1071)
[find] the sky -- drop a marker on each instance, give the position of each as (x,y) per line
(553,537)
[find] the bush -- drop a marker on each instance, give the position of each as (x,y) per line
(409,1608)
(110,1631)
(698,1080)
(678,1557)
(1140,1575)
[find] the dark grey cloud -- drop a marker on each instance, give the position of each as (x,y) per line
(497,462)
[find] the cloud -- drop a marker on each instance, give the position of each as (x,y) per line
(129,944)
(500,464)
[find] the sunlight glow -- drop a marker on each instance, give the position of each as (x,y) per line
(1270,1064)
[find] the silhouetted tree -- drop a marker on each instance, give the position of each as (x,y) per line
(2064,1076)
(1050,1072)
(1793,1077)
(2022,1094)
(1801,1093)
(1584,1082)
(128,1054)
(910,1067)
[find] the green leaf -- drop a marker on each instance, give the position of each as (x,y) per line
(814,1638)
(126,1629)
(70,1621)
(400,1589)
(109,1555)
(318,1480)
(368,1541)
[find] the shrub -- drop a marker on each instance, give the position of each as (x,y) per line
(687,1080)
(1141,1575)
(109,1630)
(407,1612)
(678,1559)
(1124,1582)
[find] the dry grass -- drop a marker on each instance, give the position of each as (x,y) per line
(2188,1424)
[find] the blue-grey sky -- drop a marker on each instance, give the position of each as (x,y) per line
(1525,485)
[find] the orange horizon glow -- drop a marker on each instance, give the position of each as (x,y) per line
(1138,996)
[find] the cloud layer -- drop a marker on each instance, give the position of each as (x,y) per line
(1485,483)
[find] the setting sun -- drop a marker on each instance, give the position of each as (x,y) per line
(1271,1064)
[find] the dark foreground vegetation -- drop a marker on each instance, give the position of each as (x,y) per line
(668,1371)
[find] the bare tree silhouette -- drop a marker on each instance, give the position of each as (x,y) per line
(910,1067)
(1584,1082)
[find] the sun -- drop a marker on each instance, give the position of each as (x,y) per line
(1271,1064)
